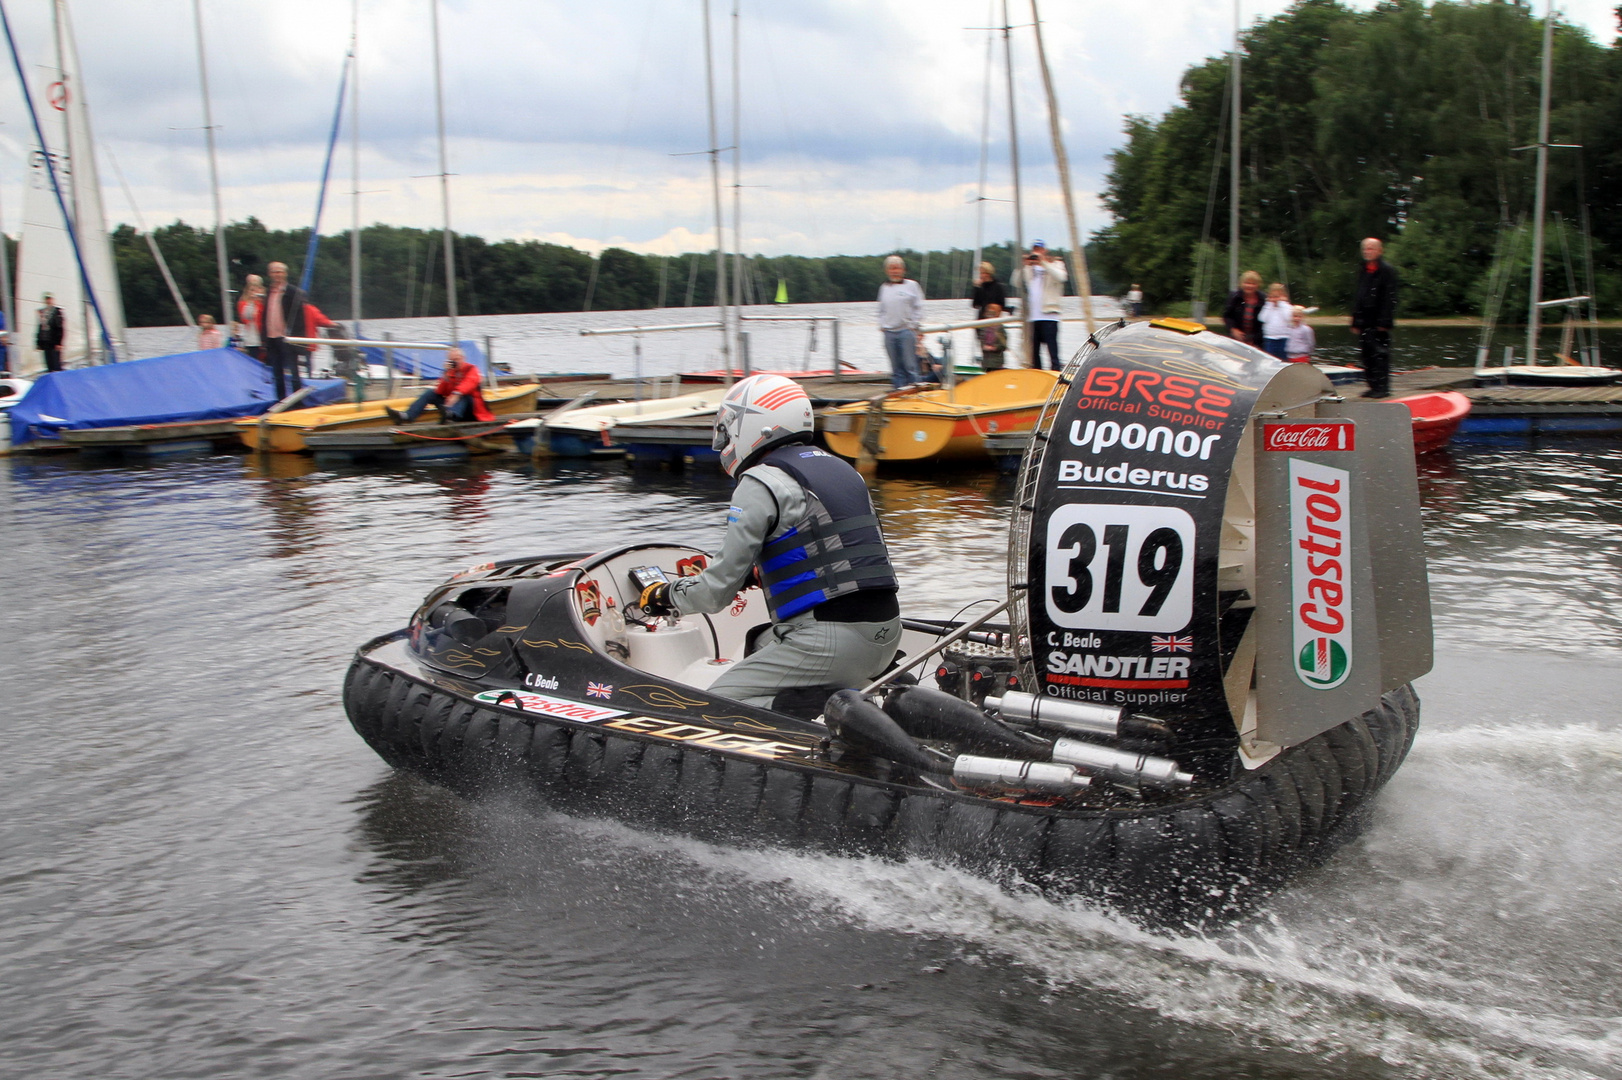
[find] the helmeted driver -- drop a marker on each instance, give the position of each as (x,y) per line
(804,517)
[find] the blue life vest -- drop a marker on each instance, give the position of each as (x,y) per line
(836,550)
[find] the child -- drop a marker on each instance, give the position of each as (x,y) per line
(1301,340)
(1276,319)
(993,340)
(208,335)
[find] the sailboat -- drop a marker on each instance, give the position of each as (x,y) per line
(1532,373)
(46,262)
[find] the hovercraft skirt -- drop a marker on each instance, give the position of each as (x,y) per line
(1207,858)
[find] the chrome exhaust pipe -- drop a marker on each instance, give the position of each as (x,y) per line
(1053,713)
(972,771)
(1119,764)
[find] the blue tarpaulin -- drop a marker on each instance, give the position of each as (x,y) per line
(426,363)
(216,384)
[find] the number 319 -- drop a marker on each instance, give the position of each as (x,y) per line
(1120,567)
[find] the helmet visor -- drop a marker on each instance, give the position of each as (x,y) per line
(723,427)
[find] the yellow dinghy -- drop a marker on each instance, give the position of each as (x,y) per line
(283,432)
(943,424)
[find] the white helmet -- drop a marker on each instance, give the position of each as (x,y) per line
(759,412)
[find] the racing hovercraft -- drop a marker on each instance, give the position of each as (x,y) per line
(1217,602)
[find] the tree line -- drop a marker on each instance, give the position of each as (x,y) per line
(1401,122)
(402,273)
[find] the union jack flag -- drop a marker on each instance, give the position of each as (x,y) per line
(1171,643)
(599,689)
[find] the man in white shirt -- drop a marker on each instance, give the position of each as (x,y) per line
(1042,278)
(901,312)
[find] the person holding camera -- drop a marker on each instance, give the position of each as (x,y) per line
(1042,276)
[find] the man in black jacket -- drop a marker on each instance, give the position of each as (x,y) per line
(48,338)
(281,316)
(1374,309)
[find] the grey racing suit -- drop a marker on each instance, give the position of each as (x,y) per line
(800,651)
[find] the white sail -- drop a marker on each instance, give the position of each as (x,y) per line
(45,257)
(94,243)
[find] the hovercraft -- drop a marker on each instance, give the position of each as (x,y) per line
(1179,713)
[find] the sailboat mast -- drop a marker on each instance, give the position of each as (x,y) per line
(1540,199)
(1013,158)
(715,188)
(1233,160)
(444,179)
(1062,160)
(737,171)
(73,151)
(1013,133)
(7,299)
(213,169)
(985,147)
(354,168)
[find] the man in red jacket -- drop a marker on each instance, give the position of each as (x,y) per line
(458,394)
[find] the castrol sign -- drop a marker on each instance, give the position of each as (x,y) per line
(1318,650)
(1320,531)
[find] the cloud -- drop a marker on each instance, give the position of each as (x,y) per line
(861,122)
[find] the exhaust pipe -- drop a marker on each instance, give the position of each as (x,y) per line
(934,714)
(972,771)
(862,725)
(1119,764)
(1077,717)
(1053,713)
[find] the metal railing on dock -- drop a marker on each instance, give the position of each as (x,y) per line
(743,339)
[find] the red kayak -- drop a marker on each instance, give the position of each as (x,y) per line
(1436,417)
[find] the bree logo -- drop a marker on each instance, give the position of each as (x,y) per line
(1320,526)
(1136,389)
(1310,437)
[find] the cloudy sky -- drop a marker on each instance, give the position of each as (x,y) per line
(861,121)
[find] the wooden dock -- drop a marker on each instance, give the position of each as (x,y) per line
(1496,409)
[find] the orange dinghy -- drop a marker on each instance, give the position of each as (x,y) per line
(942,424)
(1437,416)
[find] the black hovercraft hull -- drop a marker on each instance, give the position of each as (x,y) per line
(1204,858)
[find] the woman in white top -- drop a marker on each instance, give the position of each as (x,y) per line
(1276,317)
(247,326)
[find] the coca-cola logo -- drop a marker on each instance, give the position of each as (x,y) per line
(1310,437)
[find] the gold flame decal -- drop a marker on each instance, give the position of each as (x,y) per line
(654,694)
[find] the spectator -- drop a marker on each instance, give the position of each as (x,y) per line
(1132,303)
(458,394)
(208,335)
(993,340)
(1276,317)
(279,320)
(1374,310)
(987,291)
(5,346)
(901,312)
(1302,340)
(48,337)
(246,328)
(1244,309)
(1042,278)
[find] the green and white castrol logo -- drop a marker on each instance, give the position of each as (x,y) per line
(1320,609)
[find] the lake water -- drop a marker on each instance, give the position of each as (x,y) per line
(204,872)
(553,342)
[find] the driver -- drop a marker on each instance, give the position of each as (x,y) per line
(803,518)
